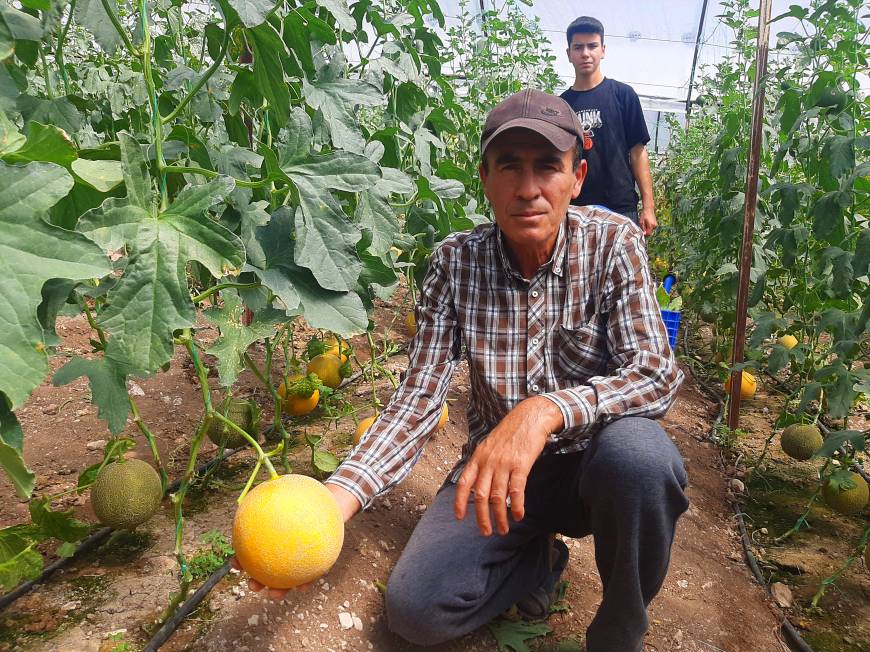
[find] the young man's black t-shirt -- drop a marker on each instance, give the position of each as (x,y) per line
(613,123)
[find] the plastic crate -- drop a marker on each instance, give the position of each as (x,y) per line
(672,324)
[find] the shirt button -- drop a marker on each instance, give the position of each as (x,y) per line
(535,341)
(558,270)
(535,388)
(535,294)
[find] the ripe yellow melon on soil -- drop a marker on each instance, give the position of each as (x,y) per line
(800,440)
(328,369)
(297,404)
(337,346)
(126,494)
(748,385)
(288,531)
(788,341)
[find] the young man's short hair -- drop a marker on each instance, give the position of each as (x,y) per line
(585,25)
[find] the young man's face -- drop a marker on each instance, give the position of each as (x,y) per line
(585,53)
(529,184)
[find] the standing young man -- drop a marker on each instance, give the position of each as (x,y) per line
(615,133)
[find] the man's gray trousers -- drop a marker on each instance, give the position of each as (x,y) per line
(625,489)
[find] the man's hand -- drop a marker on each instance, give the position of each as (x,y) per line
(500,465)
(648,221)
(347,503)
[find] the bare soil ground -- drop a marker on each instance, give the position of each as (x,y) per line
(101,602)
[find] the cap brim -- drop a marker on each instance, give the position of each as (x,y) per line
(558,137)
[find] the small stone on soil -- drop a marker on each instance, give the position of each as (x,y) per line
(345,620)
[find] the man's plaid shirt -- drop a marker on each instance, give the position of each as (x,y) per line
(585,332)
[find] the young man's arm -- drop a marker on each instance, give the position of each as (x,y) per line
(639,160)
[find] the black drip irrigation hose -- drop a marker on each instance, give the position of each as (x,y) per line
(188,607)
(791,633)
(93,541)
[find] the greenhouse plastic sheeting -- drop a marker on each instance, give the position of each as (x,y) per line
(650,44)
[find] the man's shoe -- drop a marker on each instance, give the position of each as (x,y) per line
(536,605)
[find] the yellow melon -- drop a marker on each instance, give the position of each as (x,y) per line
(288,531)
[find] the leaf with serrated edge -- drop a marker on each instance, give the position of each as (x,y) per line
(59,525)
(18,560)
(31,252)
(108,388)
(152,299)
(235,337)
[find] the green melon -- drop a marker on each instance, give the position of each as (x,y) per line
(126,494)
(800,440)
(847,500)
(241,412)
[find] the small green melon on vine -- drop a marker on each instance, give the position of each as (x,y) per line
(846,492)
(801,440)
(126,493)
(242,412)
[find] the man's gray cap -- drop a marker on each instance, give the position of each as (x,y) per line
(546,114)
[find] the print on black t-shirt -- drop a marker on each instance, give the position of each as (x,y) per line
(613,123)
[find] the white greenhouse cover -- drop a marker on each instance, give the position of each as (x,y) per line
(650,43)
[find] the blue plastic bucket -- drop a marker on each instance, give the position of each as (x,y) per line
(672,324)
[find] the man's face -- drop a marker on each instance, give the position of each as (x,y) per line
(585,53)
(529,184)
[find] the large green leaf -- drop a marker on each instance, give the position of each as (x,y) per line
(12,451)
(31,252)
(339,312)
(252,12)
(91,15)
(325,238)
(337,100)
(57,111)
(271,260)
(10,138)
(269,71)
(99,175)
(44,143)
(336,171)
(152,299)
(59,525)
(839,151)
(235,337)
(828,214)
(108,388)
(135,173)
(338,8)
(376,215)
(18,560)
(19,25)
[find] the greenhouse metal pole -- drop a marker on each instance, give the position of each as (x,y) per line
(695,60)
(751,200)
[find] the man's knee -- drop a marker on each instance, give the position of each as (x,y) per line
(635,458)
(412,613)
